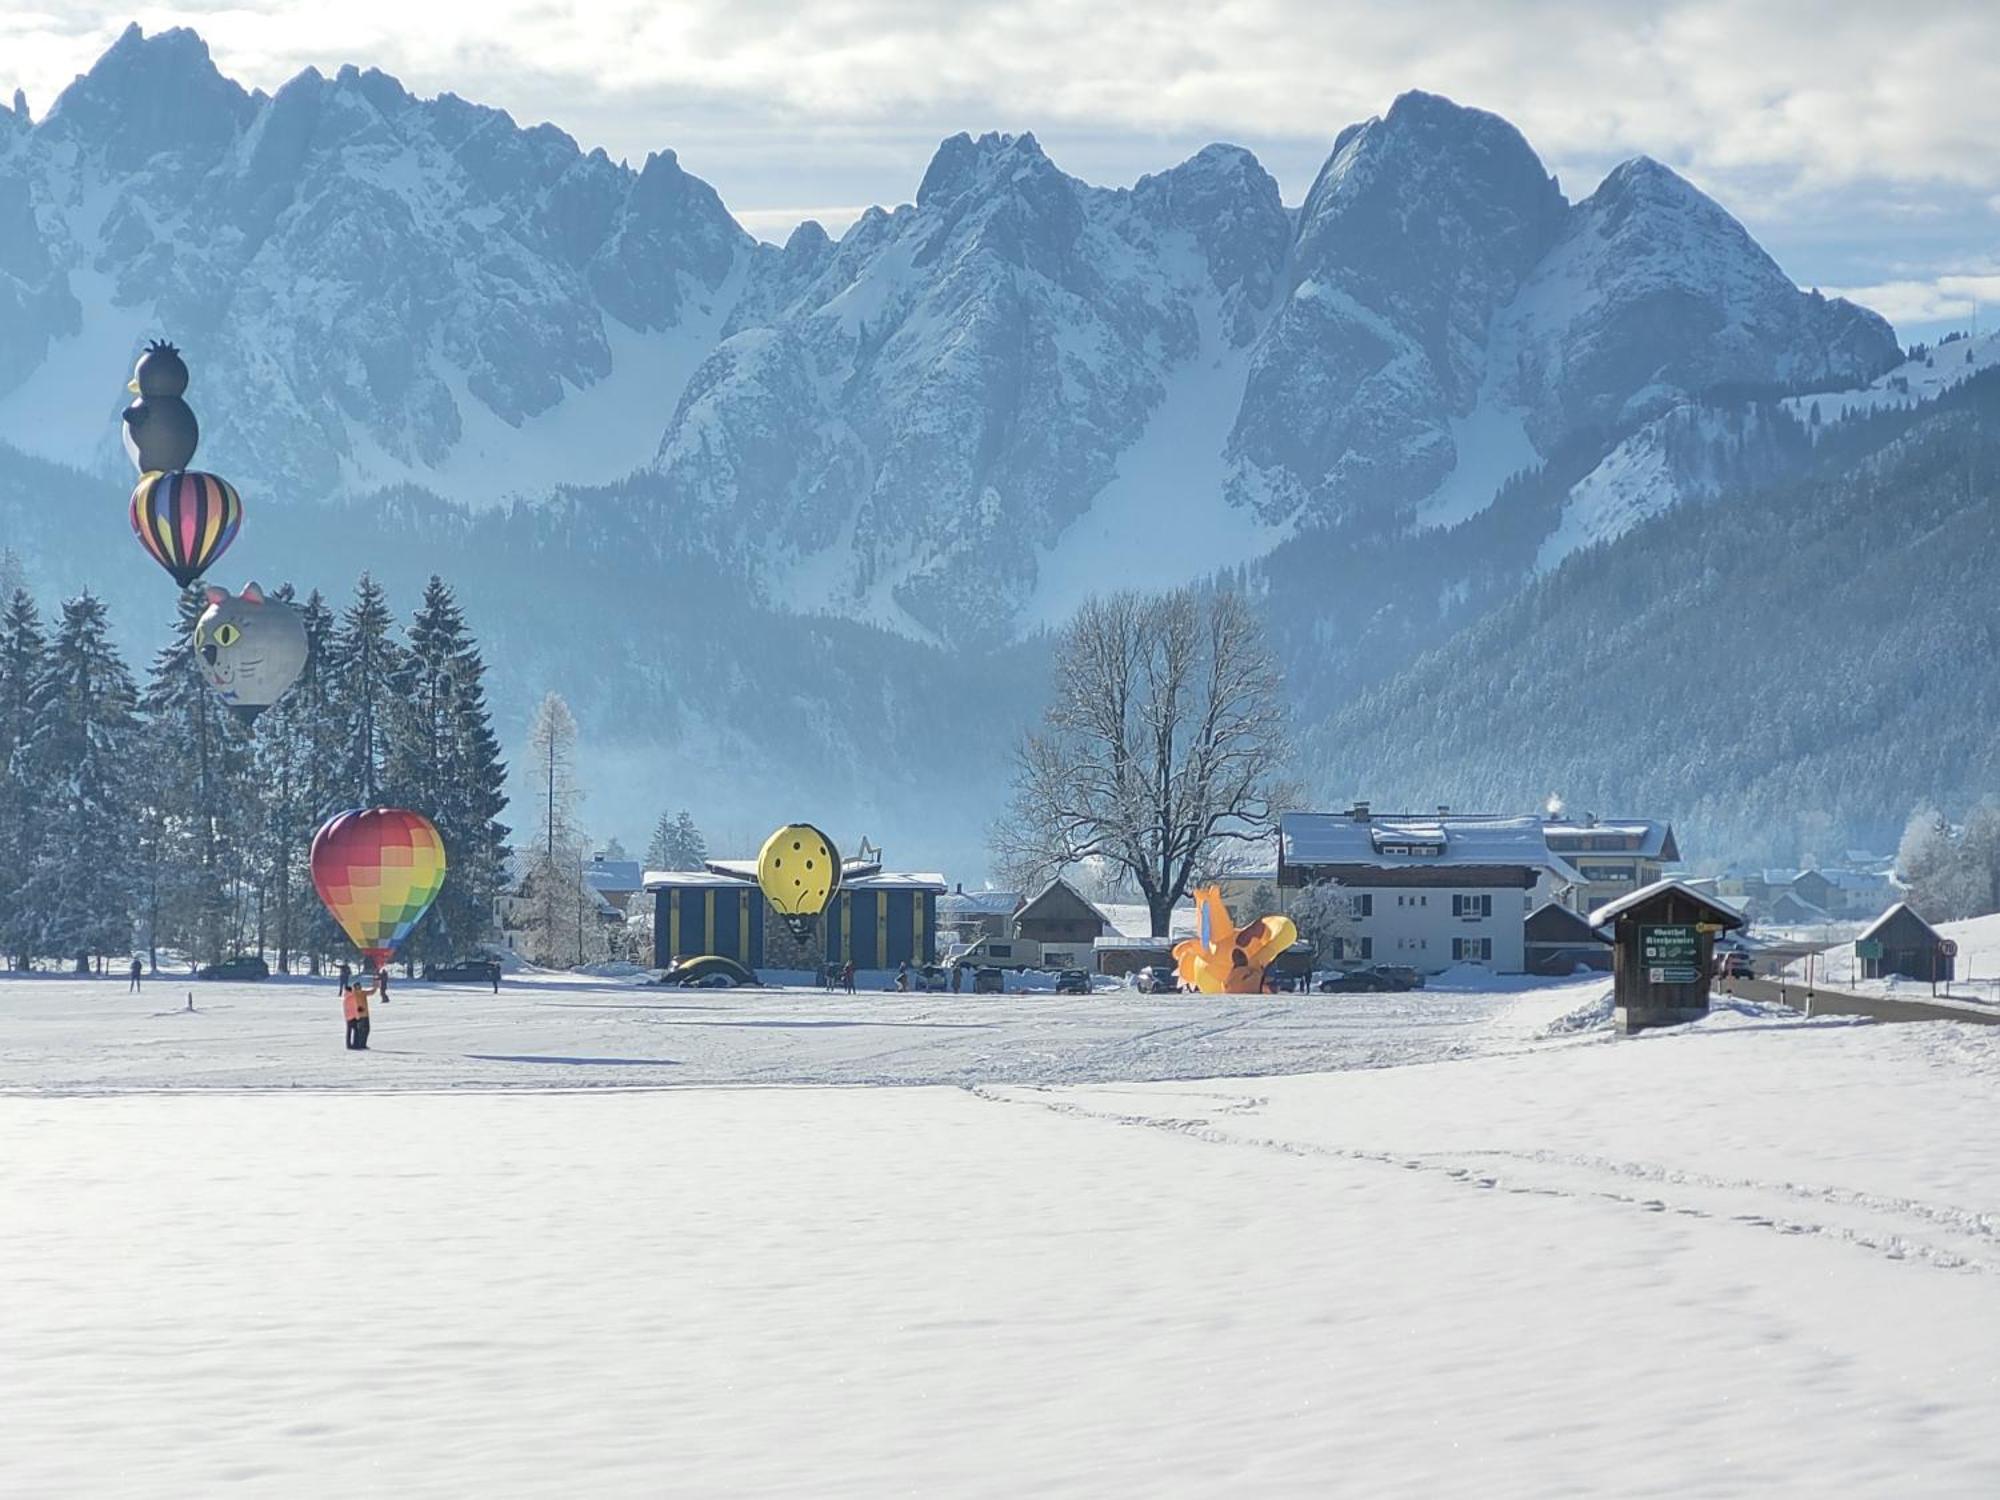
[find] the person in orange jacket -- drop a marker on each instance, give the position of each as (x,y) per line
(354,1003)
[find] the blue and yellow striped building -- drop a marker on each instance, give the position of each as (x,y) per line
(877,919)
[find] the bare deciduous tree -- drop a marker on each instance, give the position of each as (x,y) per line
(1324,914)
(1163,746)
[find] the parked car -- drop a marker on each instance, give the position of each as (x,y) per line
(930,977)
(1371,978)
(707,971)
(1734,963)
(1072,982)
(242,966)
(1158,979)
(464,971)
(988,981)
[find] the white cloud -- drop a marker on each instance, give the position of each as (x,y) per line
(1823,92)
(1942,299)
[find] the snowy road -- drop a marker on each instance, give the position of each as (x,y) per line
(1759,1255)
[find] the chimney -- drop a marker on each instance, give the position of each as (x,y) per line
(958,889)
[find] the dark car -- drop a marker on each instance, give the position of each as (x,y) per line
(1158,979)
(1072,982)
(242,966)
(1733,963)
(931,977)
(988,981)
(706,971)
(465,971)
(1373,979)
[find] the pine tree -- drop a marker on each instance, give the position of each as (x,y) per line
(318,734)
(444,761)
(79,755)
(21,653)
(363,665)
(677,844)
(199,805)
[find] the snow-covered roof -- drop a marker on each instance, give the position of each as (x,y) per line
(1134,920)
(1612,910)
(1874,928)
(738,872)
(978,903)
(614,874)
(1648,836)
(1311,839)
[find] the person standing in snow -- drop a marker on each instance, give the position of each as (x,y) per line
(346,978)
(138,970)
(902,978)
(847,975)
(354,1005)
(382,984)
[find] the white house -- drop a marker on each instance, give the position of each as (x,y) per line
(1428,891)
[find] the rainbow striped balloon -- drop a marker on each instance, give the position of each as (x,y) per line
(378,870)
(186,520)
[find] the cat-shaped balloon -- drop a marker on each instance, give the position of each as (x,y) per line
(249,649)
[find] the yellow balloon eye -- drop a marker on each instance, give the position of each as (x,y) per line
(227,635)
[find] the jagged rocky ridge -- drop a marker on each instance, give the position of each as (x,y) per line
(905,424)
(416,324)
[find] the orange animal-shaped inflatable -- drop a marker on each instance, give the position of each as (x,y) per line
(1226,959)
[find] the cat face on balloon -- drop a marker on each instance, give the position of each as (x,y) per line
(248,648)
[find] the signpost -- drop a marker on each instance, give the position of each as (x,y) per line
(1671,953)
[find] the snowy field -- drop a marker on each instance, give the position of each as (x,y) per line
(549,1244)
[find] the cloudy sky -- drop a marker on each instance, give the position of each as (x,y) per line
(1856,140)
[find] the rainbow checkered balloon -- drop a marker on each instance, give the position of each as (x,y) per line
(378,869)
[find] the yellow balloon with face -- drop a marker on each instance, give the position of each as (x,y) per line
(798,870)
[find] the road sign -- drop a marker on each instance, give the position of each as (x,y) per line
(1948,947)
(1868,948)
(1671,953)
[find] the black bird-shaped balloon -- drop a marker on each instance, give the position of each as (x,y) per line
(160,429)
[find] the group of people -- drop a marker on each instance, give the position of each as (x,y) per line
(354,999)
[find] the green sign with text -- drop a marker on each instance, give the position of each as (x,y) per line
(1670,954)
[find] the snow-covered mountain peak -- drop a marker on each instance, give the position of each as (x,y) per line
(150,95)
(962,164)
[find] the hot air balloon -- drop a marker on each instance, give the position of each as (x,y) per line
(186,520)
(798,870)
(378,870)
(1226,959)
(249,649)
(160,428)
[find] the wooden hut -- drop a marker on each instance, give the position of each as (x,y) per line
(1559,941)
(1663,944)
(1899,942)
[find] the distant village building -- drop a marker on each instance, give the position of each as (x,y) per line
(969,916)
(1899,942)
(1429,890)
(1059,913)
(1613,857)
(1561,941)
(1805,898)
